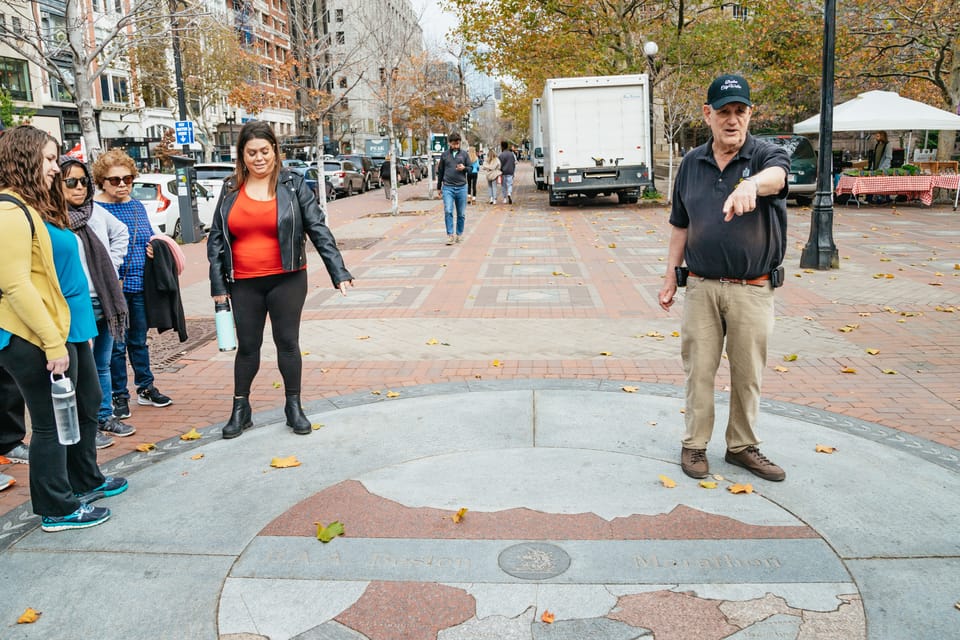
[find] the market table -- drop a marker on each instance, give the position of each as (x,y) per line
(913,187)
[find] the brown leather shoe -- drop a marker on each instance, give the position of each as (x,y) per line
(756,463)
(694,462)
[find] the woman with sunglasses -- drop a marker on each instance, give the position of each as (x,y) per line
(257,255)
(46,323)
(103,240)
(114,173)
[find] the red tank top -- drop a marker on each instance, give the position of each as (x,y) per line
(253,229)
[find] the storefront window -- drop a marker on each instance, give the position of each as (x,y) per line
(15,78)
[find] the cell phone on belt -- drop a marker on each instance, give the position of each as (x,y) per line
(682,273)
(776,277)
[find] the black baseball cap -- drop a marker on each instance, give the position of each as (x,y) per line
(728,88)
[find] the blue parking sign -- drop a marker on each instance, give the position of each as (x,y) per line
(184,131)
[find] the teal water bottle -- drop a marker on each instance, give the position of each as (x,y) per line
(226,335)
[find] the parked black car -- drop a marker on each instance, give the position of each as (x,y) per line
(802,179)
(371,178)
(310,176)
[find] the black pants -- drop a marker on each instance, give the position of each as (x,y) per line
(13,428)
(281,297)
(57,472)
(472,184)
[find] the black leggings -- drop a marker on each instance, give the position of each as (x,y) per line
(281,296)
(472,184)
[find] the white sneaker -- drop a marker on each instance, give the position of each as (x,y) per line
(6,481)
(450,240)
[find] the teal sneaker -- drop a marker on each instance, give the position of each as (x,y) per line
(111,486)
(85,516)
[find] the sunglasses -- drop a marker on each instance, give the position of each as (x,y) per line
(115,180)
(72,183)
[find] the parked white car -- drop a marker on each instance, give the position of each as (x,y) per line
(212,174)
(158,193)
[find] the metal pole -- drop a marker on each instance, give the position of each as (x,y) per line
(820,251)
(188,204)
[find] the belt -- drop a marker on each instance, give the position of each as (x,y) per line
(754,282)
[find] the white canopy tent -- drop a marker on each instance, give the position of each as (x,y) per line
(883,111)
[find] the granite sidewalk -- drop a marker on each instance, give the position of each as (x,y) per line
(528,376)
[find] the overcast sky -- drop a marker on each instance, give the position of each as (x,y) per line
(435,22)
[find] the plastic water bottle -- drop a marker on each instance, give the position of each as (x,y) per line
(65,410)
(226,336)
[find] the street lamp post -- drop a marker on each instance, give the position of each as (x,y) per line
(651,49)
(190,230)
(231,120)
(820,252)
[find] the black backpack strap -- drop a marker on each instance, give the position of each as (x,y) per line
(6,197)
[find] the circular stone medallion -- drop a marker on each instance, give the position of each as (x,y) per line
(534,560)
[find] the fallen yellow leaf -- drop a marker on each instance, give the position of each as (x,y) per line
(790,357)
(848,370)
(675,334)
(363,337)
(495,363)
(376,393)
(327,533)
(433,341)
(889,372)
(29,616)
(708,484)
(304,353)
(459,515)
(612,245)
(196,457)
(277,385)
(935,284)
(606,353)
(146,446)
(822,448)
(316,425)
(393,394)
(740,488)
(780,369)
(667,482)
(873,352)
(193,434)
(283,463)
(548,617)
(630,389)
(864,314)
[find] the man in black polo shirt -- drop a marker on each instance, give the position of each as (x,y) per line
(729,222)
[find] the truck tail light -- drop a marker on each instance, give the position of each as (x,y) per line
(164,202)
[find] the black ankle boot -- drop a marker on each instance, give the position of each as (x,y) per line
(240,419)
(295,417)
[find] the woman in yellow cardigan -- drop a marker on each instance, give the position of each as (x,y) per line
(37,329)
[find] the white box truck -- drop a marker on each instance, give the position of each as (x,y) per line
(536,145)
(596,137)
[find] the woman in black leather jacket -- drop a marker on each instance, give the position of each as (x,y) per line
(256,250)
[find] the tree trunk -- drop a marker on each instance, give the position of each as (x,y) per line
(82,86)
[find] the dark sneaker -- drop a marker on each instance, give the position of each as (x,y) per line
(6,481)
(756,463)
(116,428)
(151,397)
(20,454)
(509,199)
(85,516)
(103,440)
(112,486)
(121,407)
(694,462)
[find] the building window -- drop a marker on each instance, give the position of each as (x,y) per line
(15,78)
(114,89)
(339,15)
(343,82)
(118,6)
(15,27)
(58,91)
(341,38)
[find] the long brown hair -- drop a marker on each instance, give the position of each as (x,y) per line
(257,130)
(21,170)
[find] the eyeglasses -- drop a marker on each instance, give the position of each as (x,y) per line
(72,183)
(115,180)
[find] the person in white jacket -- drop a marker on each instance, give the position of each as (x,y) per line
(103,243)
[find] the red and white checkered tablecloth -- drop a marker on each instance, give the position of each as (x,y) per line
(913,187)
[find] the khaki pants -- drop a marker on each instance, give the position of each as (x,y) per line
(741,314)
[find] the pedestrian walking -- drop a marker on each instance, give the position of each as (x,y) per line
(729,225)
(385,178)
(114,173)
(452,171)
(46,323)
(472,175)
(257,254)
(508,166)
(491,173)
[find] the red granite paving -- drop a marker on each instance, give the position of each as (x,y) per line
(674,616)
(918,342)
(365,515)
(407,610)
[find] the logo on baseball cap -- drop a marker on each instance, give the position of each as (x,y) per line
(726,89)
